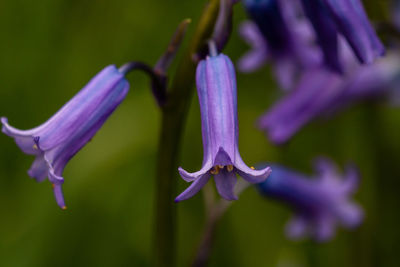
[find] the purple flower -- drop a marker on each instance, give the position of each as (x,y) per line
(314,92)
(56,141)
(286,39)
(321,92)
(216,88)
(319,203)
(347,17)
(278,34)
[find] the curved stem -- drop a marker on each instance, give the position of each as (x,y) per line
(173,119)
(158,80)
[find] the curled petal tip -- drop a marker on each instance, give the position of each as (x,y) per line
(4,122)
(190,177)
(254,176)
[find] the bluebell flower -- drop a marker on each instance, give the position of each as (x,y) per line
(287,42)
(319,203)
(276,33)
(216,89)
(348,18)
(321,92)
(56,141)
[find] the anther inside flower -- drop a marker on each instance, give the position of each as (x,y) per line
(216,88)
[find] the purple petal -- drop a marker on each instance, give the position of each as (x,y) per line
(303,104)
(59,156)
(296,228)
(189,177)
(351,180)
(326,32)
(250,33)
(353,23)
(252,61)
(325,168)
(258,55)
(350,215)
(216,87)
(193,188)
(24,140)
(376,45)
(39,169)
(58,194)
(251,175)
(225,182)
(83,108)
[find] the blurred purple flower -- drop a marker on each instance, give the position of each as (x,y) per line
(279,34)
(321,92)
(347,17)
(319,204)
(216,88)
(56,141)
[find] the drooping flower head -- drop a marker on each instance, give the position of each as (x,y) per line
(319,203)
(322,92)
(216,88)
(56,141)
(348,18)
(277,33)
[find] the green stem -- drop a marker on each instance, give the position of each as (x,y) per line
(173,120)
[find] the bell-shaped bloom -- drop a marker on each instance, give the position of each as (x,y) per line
(314,92)
(56,141)
(348,18)
(321,92)
(216,88)
(319,203)
(278,34)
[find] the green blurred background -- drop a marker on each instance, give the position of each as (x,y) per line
(51,48)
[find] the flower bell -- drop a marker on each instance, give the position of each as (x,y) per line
(216,88)
(56,141)
(319,204)
(276,33)
(347,17)
(321,92)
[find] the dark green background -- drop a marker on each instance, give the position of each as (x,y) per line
(49,49)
